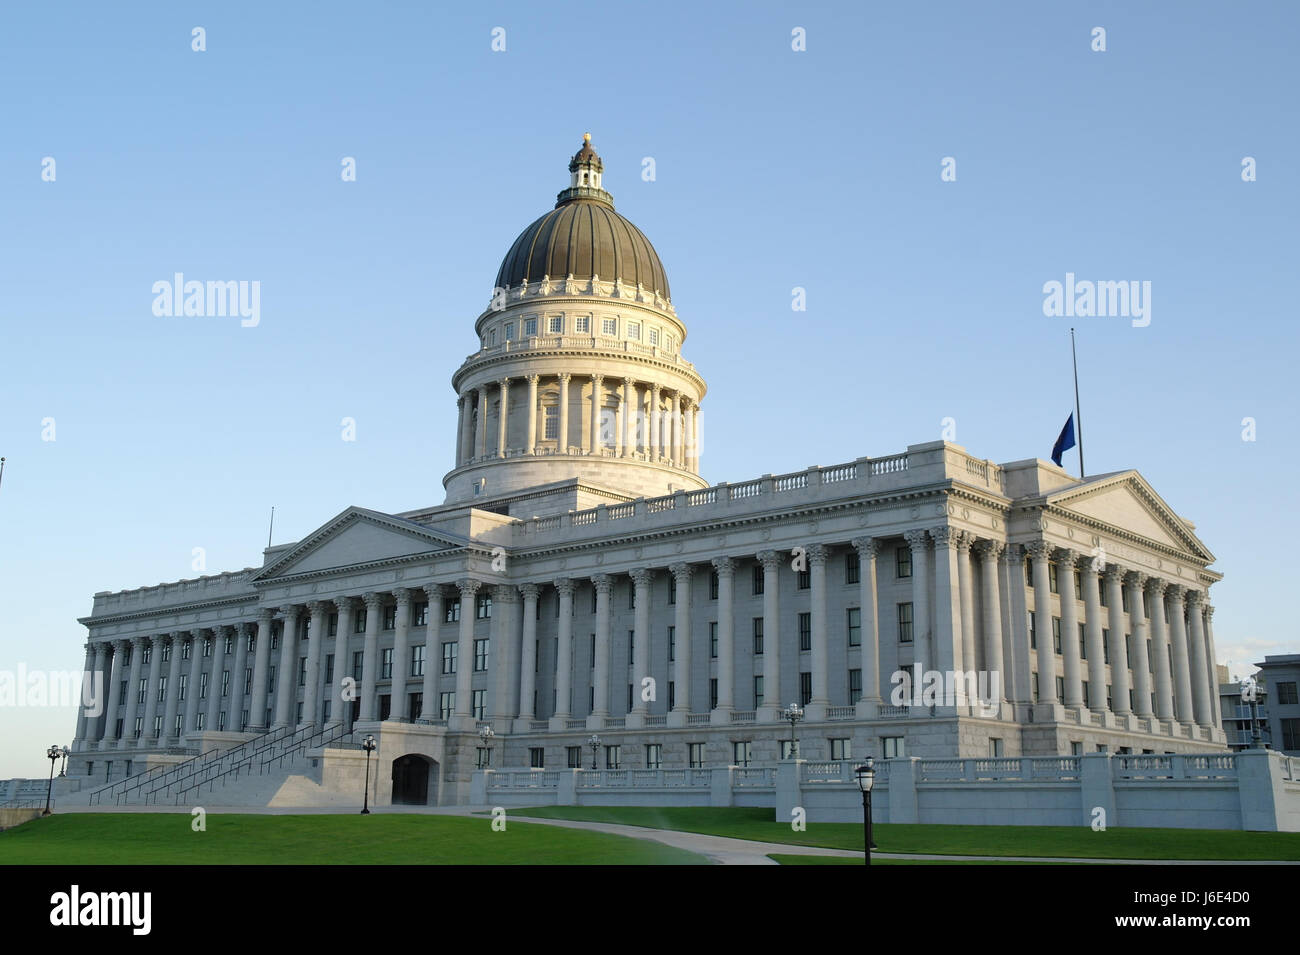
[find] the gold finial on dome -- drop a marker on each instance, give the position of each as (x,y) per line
(586,138)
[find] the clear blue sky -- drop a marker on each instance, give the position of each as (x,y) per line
(776,169)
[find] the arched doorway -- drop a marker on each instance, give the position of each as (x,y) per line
(414,781)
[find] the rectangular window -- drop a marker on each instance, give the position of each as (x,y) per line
(479,703)
(1060,688)
(892,747)
(805,631)
(417,706)
(332,624)
(695,754)
(536,757)
(1287,696)
(672,589)
(634,331)
(480,656)
(1056,634)
(482,757)
(713,693)
(1086,692)
(841,748)
(905,623)
(1033,631)
(672,694)
(162,688)
(741,751)
(386,664)
(758,636)
(1123,600)
(1034,679)
(903,561)
(583,324)
(446,705)
(186,648)
(390,617)
(552,422)
(1104,598)
(182,684)
(1105,645)
(855,626)
(573,756)
(654,336)
(420,614)
(852,567)
(177,726)
(654,755)
(483,608)
(139,726)
(143,690)
(417,660)
(805,688)
(672,644)
(756,583)
(207,646)
(1083,642)
(758,691)
(302,671)
(530,327)
(855,686)
(451,610)
(609,326)
(555,324)
(995,748)
(157,725)
(225,683)
(1051,579)
(166,651)
(1290,733)
(613,756)
(147,653)
(359,621)
(804,579)
(713,639)
(329,669)
(510,331)
(357,658)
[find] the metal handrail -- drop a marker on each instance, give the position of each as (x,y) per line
(236,752)
(291,746)
(235,756)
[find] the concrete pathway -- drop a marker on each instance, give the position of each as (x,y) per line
(719,849)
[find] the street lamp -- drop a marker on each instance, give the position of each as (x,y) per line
(866,776)
(54,752)
(63,769)
(368,744)
(594,743)
(486,734)
(1256,693)
(793,713)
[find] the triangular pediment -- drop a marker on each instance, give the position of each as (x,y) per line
(1126,502)
(356,537)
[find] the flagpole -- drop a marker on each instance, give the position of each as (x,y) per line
(271,528)
(1078,418)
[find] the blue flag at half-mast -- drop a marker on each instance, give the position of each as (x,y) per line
(1065,442)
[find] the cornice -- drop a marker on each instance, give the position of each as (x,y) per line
(478,362)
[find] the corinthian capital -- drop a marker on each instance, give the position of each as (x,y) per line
(603,583)
(1038,550)
(944,536)
(681,571)
(867,547)
(817,554)
(725,566)
(989,550)
(563,586)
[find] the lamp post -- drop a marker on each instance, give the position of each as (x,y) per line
(63,767)
(866,777)
(486,734)
(368,744)
(594,743)
(1257,693)
(54,752)
(793,713)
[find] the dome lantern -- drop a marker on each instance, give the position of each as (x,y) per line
(585,171)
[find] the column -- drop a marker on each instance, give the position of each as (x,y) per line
(460,430)
(922,657)
(530,444)
(1015,642)
(600,680)
(695,438)
(1200,673)
(151,690)
(131,705)
(991,604)
(629,413)
(192,680)
(284,695)
(1160,649)
(317,634)
(947,615)
(682,632)
(1211,658)
(868,548)
(212,718)
(1038,553)
(726,568)
(1119,678)
(771,707)
(1092,636)
(397,709)
(597,387)
(465,652)
(172,703)
(528,654)
(563,653)
(1141,661)
(688,453)
(97,724)
(503,658)
(821,693)
(257,721)
(562,445)
(675,452)
(432,651)
(969,658)
(243,633)
(115,701)
(480,437)
(502,417)
(88,680)
(641,579)
(654,448)
(370,656)
(1178,635)
(344,690)
(1066,560)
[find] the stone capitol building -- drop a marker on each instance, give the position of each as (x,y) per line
(583,579)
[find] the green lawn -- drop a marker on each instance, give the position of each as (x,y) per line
(1052,841)
(242,839)
(844,860)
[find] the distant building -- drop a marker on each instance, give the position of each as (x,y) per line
(1281,677)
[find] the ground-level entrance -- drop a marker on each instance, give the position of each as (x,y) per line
(415,781)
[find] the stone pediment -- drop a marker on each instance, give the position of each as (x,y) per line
(358,536)
(1126,502)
